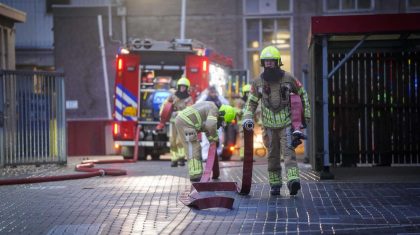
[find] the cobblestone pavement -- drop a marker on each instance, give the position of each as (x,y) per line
(146,202)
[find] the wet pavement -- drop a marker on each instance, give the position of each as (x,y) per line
(146,201)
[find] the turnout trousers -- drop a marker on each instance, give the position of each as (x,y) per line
(176,148)
(189,139)
(278,141)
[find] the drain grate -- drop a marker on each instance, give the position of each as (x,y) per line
(76,229)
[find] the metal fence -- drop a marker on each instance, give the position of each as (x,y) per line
(32,118)
(374,106)
(374,109)
(365,103)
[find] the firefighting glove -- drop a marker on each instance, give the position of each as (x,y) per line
(297,137)
(213,139)
(159,127)
(248,124)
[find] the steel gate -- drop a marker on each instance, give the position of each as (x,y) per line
(363,87)
(32,118)
(374,107)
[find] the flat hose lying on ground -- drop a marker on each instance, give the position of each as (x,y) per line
(193,198)
(85,166)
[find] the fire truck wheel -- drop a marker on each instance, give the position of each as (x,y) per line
(155,156)
(128,152)
(141,153)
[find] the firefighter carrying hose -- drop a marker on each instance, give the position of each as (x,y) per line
(200,117)
(180,100)
(273,88)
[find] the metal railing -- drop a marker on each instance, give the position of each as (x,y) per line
(32,118)
(374,109)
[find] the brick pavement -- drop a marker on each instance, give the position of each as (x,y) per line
(146,202)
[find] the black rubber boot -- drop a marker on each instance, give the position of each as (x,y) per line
(174,164)
(181,162)
(195,179)
(294,187)
(275,190)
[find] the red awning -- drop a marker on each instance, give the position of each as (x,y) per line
(362,24)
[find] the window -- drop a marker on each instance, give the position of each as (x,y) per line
(264,32)
(413,4)
(364,4)
(267,30)
(252,33)
(332,4)
(253,64)
(347,5)
(283,5)
(252,6)
(267,6)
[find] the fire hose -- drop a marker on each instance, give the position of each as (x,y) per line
(85,166)
(193,198)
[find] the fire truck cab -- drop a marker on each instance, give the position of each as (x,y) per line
(146,74)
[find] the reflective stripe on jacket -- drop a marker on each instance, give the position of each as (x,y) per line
(275,102)
(202,116)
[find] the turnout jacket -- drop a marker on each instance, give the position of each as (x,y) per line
(275,100)
(178,104)
(202,116)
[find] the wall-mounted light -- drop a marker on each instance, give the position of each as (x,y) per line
(255,44)
(280,35)
(278,41)
(283,46)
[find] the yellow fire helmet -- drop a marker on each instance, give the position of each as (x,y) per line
(183,81)
(229,113)
(246,88)
(270,53)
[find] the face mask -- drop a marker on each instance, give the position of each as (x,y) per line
(245,97)
(221,119)
(220,123)
(272,74)
(182,95)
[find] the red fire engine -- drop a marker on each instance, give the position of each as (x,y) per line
(146,71)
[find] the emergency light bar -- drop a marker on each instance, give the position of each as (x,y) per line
(149,44)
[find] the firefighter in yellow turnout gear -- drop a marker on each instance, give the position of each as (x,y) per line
(181,99)
(273,89)
(200,117)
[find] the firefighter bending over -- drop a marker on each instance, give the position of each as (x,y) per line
(211,94)
(181,99)
(200,117)
(273,89)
